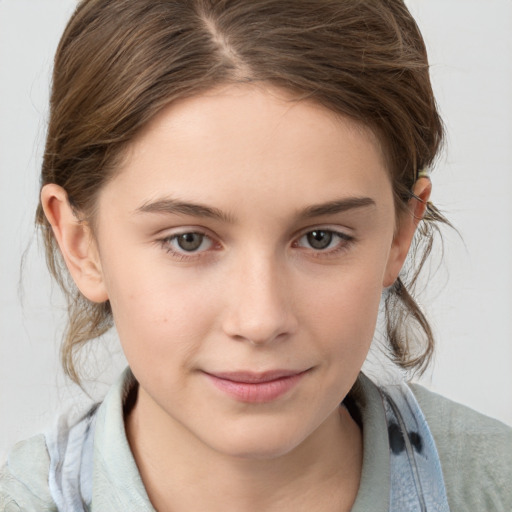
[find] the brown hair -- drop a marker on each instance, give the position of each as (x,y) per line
(119,62)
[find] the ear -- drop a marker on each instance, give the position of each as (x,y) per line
(407,223)
(76,243)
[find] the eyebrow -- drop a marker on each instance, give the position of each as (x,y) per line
(171,206)
(175,207)
(337,206)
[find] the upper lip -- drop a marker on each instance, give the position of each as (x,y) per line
(249,377)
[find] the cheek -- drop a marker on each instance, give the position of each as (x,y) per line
(347,299)
(158,313)
(342,316)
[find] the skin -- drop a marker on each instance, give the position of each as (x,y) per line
(255,295)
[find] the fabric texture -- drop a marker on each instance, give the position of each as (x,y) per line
(71,462)
(475,454)
(417,483)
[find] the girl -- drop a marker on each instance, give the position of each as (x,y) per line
(236,185)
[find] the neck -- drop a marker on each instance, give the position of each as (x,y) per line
(322,473)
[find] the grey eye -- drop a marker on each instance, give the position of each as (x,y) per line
(190,241)
(319,239)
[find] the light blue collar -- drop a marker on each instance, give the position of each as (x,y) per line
(417,483)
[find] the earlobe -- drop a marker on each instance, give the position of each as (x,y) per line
(76,243)
(407,224)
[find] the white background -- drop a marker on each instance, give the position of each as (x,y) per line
(469,299)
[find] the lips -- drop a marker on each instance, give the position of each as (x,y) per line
(251,387)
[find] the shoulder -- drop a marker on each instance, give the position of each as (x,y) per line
(475,453)
(24,478)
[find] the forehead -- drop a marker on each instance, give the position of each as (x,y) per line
(252,142)
(243,110)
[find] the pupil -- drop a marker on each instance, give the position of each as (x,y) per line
(190,241)
(319,239)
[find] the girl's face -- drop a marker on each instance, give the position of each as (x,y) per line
(244,245)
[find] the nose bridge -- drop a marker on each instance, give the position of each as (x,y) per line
(260,308)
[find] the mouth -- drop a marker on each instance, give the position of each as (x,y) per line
(256,387)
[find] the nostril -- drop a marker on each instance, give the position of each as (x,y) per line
(259,329)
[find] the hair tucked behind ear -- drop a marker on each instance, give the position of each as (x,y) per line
(404,317)
(119,62)
(86,319)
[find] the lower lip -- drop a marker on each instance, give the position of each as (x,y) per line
(256,392)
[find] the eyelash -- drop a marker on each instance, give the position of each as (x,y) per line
(185,255)
(344,242)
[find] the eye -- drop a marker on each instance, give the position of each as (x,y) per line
(324,240)
(191,242)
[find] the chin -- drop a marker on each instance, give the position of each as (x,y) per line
(257,444)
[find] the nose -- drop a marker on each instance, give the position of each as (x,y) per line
(260,305)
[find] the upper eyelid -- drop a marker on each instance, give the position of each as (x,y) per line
(172,233)
(340,234)
(174,236)
(183,230)
(344,232)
